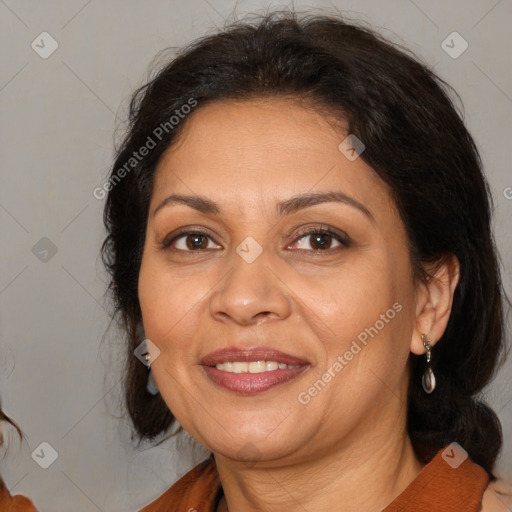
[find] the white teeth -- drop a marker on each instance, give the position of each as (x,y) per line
(253,366)
(257,367)
(239,367)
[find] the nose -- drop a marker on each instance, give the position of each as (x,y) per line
(249,293)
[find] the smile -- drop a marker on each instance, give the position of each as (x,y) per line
(239,378)
(253,366)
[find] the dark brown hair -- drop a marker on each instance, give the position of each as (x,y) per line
(8,419)
(5,418)
(416,141)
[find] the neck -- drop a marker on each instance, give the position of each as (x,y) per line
(364,475)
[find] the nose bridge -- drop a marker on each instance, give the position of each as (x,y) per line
(250,288)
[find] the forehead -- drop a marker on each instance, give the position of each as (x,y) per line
(234,151)
(230,130)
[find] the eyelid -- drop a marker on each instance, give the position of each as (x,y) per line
(186,230)
(308,230)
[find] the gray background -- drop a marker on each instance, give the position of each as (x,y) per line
(60,373)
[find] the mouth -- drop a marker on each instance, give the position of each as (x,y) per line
(251,371)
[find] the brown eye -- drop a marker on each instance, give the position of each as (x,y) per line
(189,241)
(196,242)
(321,240)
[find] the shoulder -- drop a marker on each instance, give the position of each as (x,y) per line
(22,504)
(17,503)
(497,496)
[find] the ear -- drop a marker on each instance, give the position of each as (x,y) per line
(434,302)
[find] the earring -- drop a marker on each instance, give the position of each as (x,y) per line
(428,380)
(151,385)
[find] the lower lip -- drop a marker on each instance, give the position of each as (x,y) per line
(252,383)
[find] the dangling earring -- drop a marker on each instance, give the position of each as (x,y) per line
(151,385)
(428,380)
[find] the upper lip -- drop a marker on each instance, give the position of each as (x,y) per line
(249,354)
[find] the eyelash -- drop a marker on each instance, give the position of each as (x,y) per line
(342,239)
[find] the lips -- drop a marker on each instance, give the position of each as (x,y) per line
(247,355)
(251,383)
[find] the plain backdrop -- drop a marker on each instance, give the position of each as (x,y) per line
(60,372)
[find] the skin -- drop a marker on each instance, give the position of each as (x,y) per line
(349,443)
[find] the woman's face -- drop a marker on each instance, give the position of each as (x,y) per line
(260,275)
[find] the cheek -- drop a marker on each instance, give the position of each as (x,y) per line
(368,312)
(363,290)
(157,305)
(169,303)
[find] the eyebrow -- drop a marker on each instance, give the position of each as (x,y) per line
(207,206)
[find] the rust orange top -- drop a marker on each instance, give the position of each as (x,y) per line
(438,487)
(17,503)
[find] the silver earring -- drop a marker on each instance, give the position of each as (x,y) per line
(151,384)
(428,380)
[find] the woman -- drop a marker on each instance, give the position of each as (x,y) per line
(9,503)
(299,230)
